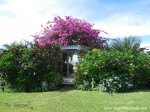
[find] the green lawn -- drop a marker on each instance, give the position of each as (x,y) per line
(71,100)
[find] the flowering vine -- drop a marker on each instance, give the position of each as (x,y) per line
(70,31)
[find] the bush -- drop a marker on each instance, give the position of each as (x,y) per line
(113,70)
(116,83)
(53,80)
(141,70)
(25,69)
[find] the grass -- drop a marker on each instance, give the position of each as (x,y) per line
(68,99)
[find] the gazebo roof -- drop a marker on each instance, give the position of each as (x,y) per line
(73,48)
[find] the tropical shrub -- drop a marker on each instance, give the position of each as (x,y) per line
(112,70)
(116,82)
(26,68)
(53,80)
(7,65)
(141,69)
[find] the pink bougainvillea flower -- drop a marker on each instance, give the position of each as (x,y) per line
(70,31)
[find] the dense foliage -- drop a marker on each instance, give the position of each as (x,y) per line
(71,31)
(26,68)
(113,71)
(141,69)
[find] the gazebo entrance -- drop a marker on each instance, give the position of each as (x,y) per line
(71,50)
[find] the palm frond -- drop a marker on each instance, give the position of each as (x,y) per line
(126,44)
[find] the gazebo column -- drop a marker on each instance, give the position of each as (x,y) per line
(61,62)
(68,73)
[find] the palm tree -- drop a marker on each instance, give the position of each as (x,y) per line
(1,51)
(127,44)
(9,46)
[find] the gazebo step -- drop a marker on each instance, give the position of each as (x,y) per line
(68,80)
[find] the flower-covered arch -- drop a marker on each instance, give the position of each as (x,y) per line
(70,31)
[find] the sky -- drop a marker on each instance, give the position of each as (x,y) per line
(19,19)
